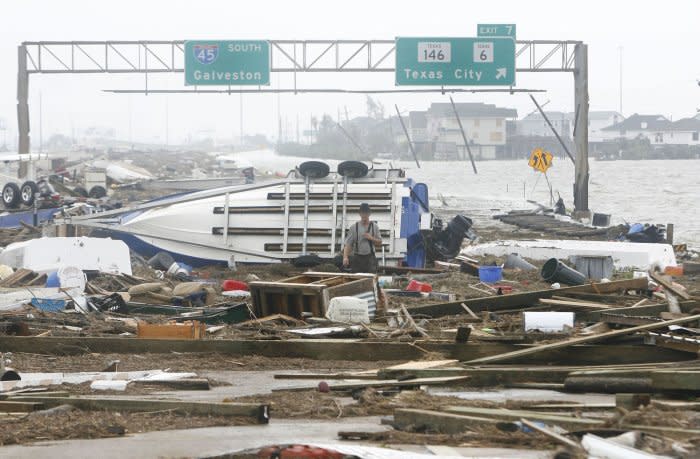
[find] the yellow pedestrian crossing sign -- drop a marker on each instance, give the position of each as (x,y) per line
(540,160)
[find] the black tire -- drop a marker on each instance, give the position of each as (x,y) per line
(27,192)
(353,169)
(97,192)
(80,191)
(314,169)
(10,196)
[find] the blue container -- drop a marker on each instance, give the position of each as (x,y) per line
(490,274)
(49,305)
(52,279)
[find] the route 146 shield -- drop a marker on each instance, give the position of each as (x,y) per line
(206,54)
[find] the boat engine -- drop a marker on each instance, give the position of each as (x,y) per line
(444,243)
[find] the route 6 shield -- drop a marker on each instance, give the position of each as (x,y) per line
(206,54)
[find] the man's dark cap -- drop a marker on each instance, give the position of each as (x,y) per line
(364,208)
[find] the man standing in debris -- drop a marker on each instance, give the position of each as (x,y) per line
(359,250)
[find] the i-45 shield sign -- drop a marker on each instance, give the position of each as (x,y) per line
(205,54)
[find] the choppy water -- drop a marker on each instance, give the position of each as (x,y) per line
(632,191)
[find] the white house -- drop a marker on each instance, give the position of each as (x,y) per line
(656,128)
(685,132)
(597,120)
(484,126)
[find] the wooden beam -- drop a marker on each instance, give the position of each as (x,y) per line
(676,380)
(524,299)
(260,413)
(583,340)
(574,304)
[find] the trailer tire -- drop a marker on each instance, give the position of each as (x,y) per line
(314,169)
(10,196)
(353,169)
(27,192)
(97,192)
(80,191)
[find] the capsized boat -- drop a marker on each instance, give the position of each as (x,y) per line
(277,220)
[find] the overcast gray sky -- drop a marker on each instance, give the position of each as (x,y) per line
(659,41)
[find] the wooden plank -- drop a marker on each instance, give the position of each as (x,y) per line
(177,384)
(641,310)
(382,383)
(668,285)
(583,340)
(524,299)
(20,407)
(188,330)
(574,304)
(502,414)
(683,380)
(260,413)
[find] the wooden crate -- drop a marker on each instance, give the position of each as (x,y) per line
(308,292)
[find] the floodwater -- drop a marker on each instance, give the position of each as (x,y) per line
(631,191)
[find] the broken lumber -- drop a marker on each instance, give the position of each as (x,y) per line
(261,413)
(502,414)
(382,383)
(583,340)
(575,304)
(668,285)
(177,384)
(524,299)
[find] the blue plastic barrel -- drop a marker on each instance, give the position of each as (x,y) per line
(52,279)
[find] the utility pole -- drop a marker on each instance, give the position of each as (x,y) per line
(620,80)
(241,117)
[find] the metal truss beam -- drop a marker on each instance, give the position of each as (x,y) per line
(286,56)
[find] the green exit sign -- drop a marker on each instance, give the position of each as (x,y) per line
(496,30)
(227,62)
(440,61)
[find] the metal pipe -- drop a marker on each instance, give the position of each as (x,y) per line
(556,134)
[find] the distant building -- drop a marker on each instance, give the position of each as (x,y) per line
(685,131)
(484,126)
(655,128)
(534,124)
(418,126)
(597,120)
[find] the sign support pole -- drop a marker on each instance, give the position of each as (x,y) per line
(464,136)
(581,131)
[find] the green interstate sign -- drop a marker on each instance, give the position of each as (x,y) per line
(227,62)
(439,61)
(496,30)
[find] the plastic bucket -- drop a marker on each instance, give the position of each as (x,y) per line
(490,274)
(230,285)
(556,271)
